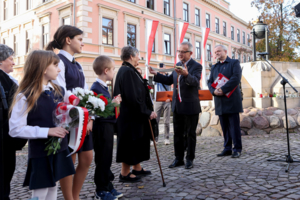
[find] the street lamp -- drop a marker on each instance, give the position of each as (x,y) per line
(260,30)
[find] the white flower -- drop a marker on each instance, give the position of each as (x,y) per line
(78,91)
(80,97)
(88,92)
(151,91)
(101,104)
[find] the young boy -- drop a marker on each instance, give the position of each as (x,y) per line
(103,133)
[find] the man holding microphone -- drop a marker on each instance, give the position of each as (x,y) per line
(185,103)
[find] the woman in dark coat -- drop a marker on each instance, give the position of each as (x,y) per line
(136,109)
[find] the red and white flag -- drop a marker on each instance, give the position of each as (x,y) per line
(151,27)
(205,33)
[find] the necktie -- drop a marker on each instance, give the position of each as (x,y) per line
(73,61)
(106,88)
(48,91)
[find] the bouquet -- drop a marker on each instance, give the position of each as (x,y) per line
(73,114)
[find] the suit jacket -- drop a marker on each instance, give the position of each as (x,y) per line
(9,87)
(231,68)
(189,87)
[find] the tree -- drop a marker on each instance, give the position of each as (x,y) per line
(284,29)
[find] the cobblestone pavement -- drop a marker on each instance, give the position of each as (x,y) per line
(249,177)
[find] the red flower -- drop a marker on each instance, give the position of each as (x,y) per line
(104,99)
(149,87)
(95,93)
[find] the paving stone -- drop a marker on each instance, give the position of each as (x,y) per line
(249,177)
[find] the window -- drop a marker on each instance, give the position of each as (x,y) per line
(45,1)
(208,52)
(66,21)
(167,43)
(207,20)
(16,7)
(45,33)
(185,12)
(249,58)
(197,17)
(217,25)
(238,35)
(167,7)
(28,41)
(133,1)
(244,58)
(5,41)
(244,38)
(198,50)
(16,40)
(186,40)
(224,29)
(232,33)
(5,10)
(28,4)
(131,35)
(233,55)
(239,57)
(107,31)
(248,39)
(153,46)
(150,4)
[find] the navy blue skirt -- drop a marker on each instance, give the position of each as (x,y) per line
(44,172)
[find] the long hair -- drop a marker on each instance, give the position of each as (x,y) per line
(31,85)
(60,36)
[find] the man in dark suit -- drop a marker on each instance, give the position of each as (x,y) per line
(185,103)
(228,109)
(10,145)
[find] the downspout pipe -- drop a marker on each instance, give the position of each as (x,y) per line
(74,17)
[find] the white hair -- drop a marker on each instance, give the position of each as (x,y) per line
(189,45)
(223,47)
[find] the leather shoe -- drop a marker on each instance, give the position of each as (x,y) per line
(236,155)
(176,163)
(225,153)
(189,164)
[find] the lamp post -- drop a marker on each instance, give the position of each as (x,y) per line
(260,30)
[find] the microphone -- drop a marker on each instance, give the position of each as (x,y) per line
(263,54)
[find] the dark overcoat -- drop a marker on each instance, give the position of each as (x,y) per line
(133,142)
(189,87)
(231,68)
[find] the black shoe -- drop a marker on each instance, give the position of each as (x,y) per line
(141,173)
(128,178)
(225,153)
(236,155)
(189,164)
(176,163)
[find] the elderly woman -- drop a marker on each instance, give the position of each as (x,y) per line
(133,123)
(9,85)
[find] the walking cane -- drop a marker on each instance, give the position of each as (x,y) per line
(162,176)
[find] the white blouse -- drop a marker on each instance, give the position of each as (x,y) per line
(18,121)
(61,79)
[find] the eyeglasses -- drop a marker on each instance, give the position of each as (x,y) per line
(178,51)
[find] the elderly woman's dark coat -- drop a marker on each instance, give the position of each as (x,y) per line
(134,133)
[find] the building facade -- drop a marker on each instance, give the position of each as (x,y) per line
(109,25)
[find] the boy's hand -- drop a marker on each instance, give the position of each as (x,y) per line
(89,127)
(117,99)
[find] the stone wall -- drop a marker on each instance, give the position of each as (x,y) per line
(253,121)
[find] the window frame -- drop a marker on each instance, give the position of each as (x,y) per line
(244,37)
(5,10)
(225,29)
(207,20)
(28,41)
(153,1)
(16,7)
(16,46)
(110,28)
(248,39)
(166,53)
(132,33)
(197,17)
(233,55)
(217,25)
(198,54)
(132,1)
(44,43)
(238,35)
(185,12)
(232,32)
(63,20)
(208,52)
(169,6)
